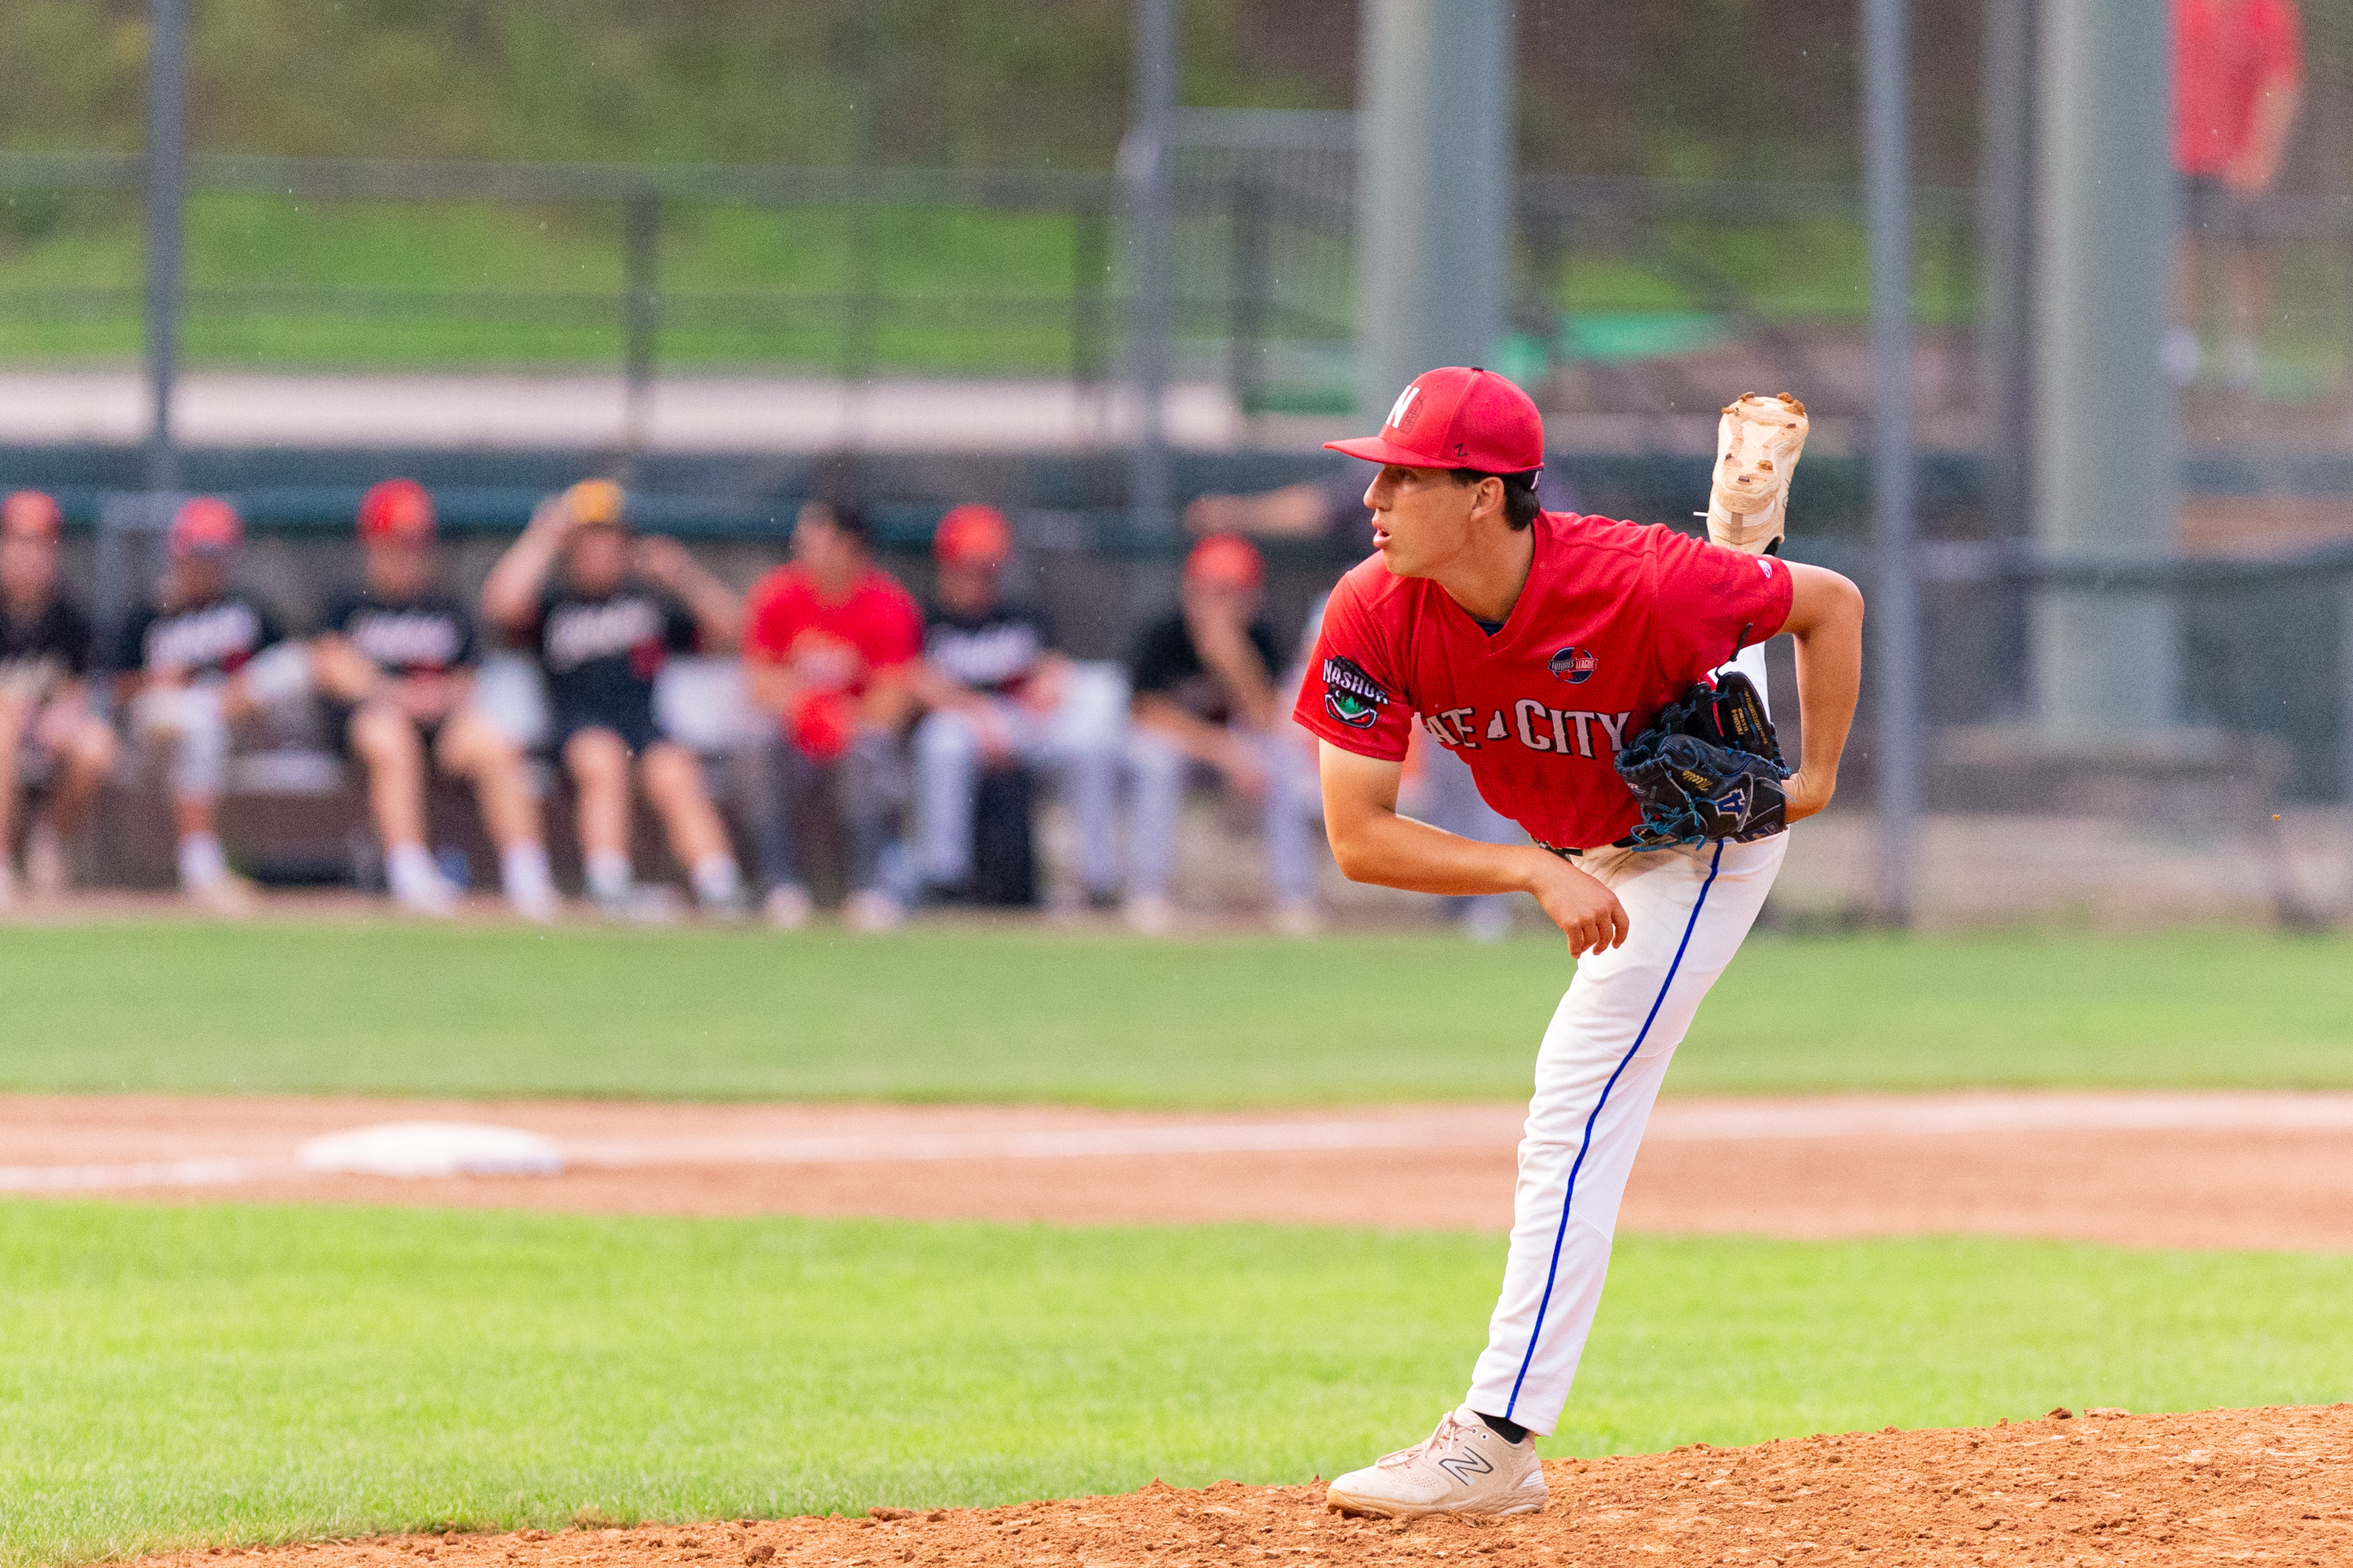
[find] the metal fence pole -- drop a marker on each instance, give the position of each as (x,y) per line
(1143,166)
(1434,205)
(128,524)
(2006,224)
(167,139)
(641,311)
(1090,261)
(1894,584)
(1247,325)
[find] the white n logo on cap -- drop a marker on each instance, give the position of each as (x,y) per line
(1404,402)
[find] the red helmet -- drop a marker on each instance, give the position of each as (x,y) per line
(973,535)
(30,514)
(206,525)
(396,512)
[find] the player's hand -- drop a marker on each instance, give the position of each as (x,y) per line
(2248,174)
(660,560)
(425,698)
(1805,794)
(1243,770)
(551,516)
(1586,911)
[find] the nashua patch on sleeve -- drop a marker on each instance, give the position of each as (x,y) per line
(1350,696)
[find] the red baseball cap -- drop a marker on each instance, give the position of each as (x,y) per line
(1458,418)
(206,525)
(396,512)
(30,514)
(973,535)
(1226,558)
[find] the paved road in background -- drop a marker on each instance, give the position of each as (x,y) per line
(711,413)
(687,413)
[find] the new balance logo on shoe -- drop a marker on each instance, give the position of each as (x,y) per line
(1465,1465)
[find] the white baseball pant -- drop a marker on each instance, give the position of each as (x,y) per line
(1597,1073)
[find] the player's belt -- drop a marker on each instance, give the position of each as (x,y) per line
(1557,849)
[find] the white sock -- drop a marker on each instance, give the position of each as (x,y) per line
(411,871)
(716,880)
(523,872)
(609,874)
(202,863)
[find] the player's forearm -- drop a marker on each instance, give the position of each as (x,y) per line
(1829,679)
(718,613)
(1245,678)
(2275,110)
(1392,851)
(1195,736)
(772,684)
(511,592)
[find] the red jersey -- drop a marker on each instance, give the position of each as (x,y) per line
(1615,622)
(2226,55)
(832,645)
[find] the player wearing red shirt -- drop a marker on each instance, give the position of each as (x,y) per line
(2238,79)
(830,642)
(1534,644)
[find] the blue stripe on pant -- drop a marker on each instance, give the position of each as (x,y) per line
(1599,1071)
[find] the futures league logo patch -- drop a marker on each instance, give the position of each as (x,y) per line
(1574,665)
(1351,696)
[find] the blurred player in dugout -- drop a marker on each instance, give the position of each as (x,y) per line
(1207,697)
(394,664)
(201,669)
(830,653)
(2238,70)
(1330,514)
(999,694)
(51,740)
(602,610)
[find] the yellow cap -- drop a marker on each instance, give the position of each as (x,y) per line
(594,502)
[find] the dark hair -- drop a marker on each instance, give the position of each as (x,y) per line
(848,518)
(1521,502)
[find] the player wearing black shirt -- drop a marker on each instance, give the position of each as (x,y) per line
(47,733)
(201,660)
(601,632)
(1203,680)
(394,663)
(996,688)
(1329,513)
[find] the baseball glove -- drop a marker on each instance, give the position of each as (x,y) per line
(1708,767)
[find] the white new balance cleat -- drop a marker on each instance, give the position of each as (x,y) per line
(1757,443)
(1465,1467)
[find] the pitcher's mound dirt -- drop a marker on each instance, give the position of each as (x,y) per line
(2102,1487)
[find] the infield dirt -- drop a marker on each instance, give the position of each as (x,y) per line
(2274,1485)
(2210,1170)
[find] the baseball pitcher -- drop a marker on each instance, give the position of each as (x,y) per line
(1573,663)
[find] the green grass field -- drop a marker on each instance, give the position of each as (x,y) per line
(174,1375)
(171,1376)
(1030,1014)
